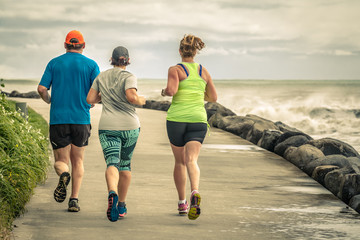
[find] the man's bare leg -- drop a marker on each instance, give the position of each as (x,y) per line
(62,158)
(61,165)
(77,169)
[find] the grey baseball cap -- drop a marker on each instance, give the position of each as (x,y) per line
(120,52)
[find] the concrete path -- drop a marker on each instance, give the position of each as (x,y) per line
(247,193)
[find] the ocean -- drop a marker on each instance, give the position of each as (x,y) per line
(319,108)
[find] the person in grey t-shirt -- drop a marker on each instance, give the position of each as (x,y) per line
(119,127)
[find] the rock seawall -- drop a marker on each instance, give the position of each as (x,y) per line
(332,163)
(32,94)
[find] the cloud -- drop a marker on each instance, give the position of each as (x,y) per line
(335,52)
(343,53)
(224,51)
(271,49)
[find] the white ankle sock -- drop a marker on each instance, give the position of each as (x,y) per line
(182,201)
(194,191)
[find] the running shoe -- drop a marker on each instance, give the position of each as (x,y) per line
(60,190)
(74,205)
(122,211)
(112,211)
(195,200)
(183,208)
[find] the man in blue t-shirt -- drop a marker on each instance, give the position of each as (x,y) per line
(70,77)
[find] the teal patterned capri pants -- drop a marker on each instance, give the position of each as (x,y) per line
(118,147)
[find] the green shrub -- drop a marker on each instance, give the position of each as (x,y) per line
(24,160)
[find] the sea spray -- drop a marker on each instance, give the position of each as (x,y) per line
(318,108)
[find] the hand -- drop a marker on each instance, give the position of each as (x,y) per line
(163,92)
(141,100)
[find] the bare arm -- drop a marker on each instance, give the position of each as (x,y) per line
(210,91)
(93,96)
(134,98)
(172,83)
(44,94)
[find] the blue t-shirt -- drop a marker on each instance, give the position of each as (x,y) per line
(70,77)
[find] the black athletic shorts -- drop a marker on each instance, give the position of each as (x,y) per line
(62,135)
(180,133)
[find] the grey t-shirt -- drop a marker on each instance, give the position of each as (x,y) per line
(117,112)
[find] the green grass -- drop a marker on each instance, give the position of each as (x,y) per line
(24,160)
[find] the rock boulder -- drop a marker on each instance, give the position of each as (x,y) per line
(294,141)
(355,203)
(303,155)
(269,138)
(338,160)
(212,108)
(333,179)
(157,105)
(257,129)
(330,146)
(320,172)
(32,94)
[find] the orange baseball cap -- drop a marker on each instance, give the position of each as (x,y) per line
(74,34)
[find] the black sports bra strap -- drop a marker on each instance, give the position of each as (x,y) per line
(182,65)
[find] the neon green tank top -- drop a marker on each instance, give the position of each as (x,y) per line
(188,103)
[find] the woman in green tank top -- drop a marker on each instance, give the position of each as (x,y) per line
(190,84)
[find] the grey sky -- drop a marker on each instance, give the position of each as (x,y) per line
(245,39)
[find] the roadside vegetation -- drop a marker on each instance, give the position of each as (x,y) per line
(24,160)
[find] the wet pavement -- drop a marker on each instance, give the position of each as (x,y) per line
(247,193)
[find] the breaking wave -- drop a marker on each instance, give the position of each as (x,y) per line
(320,109)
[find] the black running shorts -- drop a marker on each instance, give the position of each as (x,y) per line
(62,135)
(180,133)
